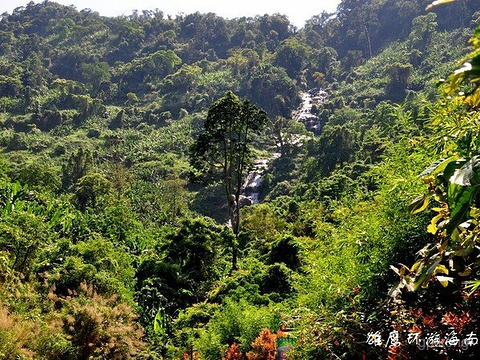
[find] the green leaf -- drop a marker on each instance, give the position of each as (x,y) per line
(471,286)
(416,265)
(441,269)
(462,189)
(459,200)
(438,166)
(425,273)
(419,204)
(452,167)
(432,227)
(467,174)
(158,323)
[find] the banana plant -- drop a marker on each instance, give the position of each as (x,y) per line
(453,184)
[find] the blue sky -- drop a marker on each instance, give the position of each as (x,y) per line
(298,11)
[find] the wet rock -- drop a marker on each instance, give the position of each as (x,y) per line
(305,114)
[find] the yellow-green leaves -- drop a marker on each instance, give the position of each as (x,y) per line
(432,227)
(159,324)
(438,166)
(419,204)
(472,286)
(464,82)
(444,280)
(454,183)
(420,273)
(462,189)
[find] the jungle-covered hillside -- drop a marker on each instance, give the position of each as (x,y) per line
(195,187)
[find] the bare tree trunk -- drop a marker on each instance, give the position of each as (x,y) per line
(367,34)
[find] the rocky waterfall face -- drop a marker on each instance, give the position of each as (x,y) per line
(306,113)
(251,186)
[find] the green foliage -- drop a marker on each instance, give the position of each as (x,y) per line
(453,185)
(158,190)
(95,261)
(98,117)
(285,250)
(237,322)
(96,73)
(89,190)
(224,144)
(140,72)
(77,167)
(179,269)
(22,234)
(291,55)
(273,90)
(335,147)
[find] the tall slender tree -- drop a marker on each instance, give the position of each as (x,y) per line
(225,146)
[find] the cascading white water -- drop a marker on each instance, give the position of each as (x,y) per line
(304,113)
(251,186)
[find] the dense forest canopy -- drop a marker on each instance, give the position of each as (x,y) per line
(210,188)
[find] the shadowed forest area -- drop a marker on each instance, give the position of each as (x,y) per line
(195,187)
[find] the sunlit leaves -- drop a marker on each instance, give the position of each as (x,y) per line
(437,167)
(465,81)
(472,286)
(454,183)
(418,205)
(159,323)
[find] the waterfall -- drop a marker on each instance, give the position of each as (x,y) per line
(250,192)
(304,113)
(253,182)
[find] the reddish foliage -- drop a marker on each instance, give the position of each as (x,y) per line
(457,321)
(264,346)
(397,353)
(233,353)
(430,321)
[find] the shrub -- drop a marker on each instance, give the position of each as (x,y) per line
(99,327)
(16,336)
(233,353)
(236,321)
(264,346)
